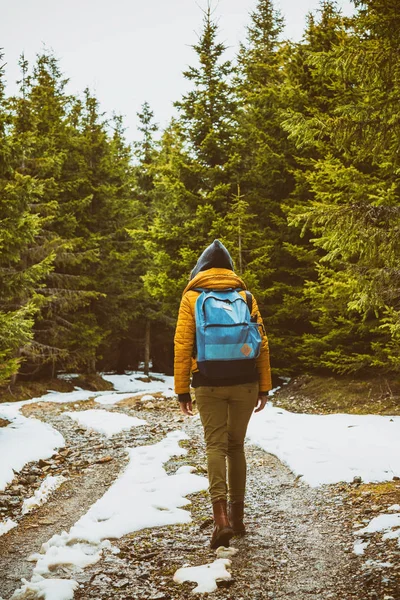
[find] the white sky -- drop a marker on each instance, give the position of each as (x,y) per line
(128,51)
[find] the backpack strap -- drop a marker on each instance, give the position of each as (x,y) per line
(249,300)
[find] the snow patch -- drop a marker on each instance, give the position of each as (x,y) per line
(157,499)
(223,552)
(6,526)
(147,398)
(57,552)
(78,395)
(23,441)
(389,523)
(185,469)
(130,382)
(326,449)
(114,398)
(43,439)
(105,422)
(46,589)
(206,576)
(274,390)
(47,487)
(168,394)
(376,564)
(359,547)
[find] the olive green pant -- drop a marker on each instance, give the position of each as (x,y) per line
(225,413)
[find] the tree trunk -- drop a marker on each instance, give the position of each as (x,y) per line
(91,366)
(147,348)
(14,376)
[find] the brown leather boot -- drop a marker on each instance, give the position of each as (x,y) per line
(236,512)
(222,530)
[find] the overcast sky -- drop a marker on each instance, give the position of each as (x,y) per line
(128,51)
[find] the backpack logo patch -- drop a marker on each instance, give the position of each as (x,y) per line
(245,349)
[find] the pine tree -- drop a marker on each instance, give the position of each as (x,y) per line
(208,111)
(150,339)
(24,259)
(107,180)
(276,260)
(354,215)
(195,177)
(145,152)
(45,144)
(122,310)
(87,182)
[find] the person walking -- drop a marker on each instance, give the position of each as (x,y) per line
(221,349)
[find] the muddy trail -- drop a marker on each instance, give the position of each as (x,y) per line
(299,543)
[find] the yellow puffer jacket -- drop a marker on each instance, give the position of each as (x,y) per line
(185,364)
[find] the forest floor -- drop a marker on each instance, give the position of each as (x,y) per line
(300,544)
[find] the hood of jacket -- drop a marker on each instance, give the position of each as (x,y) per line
(214,256)
(216,279)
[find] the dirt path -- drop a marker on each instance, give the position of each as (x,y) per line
(299,543)
(67,505)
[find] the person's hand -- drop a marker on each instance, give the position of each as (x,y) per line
(185,402)
(186,408)
(261,402)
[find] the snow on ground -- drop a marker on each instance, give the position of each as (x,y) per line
(223,552)
(157,497)
(47,589)
(147,398)
(47,487)
(113,398)
(131,383)
(23,441)
(376,564)
(16,451)
(169,394)
(327,449)
(6,525)
(78,395)
(107,423)
(359,547)
(389,523)
(205,576)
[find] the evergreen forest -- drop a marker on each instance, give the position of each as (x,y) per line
(289,154)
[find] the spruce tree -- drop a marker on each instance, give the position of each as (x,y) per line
(149,338)
(87,182)
(107,181)
(45,143)
(208,110)
(25,259)
(195,178)
(276,260)
(354,182)
(145,151)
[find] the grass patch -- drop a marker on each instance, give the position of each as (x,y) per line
(317,394)
(33,389)
(94,383)
(385,493)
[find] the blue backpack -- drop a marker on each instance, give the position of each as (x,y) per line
(228,341)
